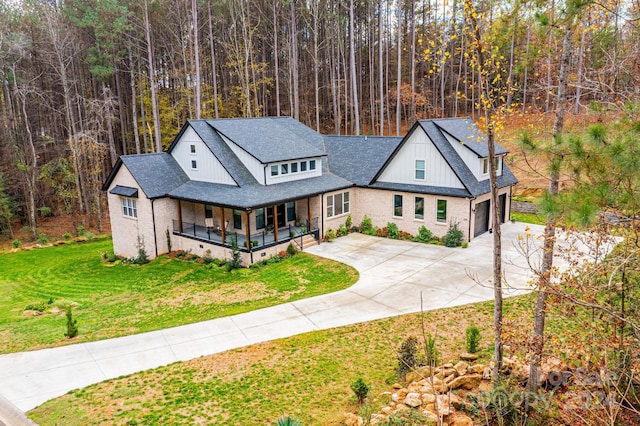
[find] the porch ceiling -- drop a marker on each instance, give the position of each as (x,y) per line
(256,196)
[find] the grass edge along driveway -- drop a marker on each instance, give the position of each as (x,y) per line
(123,299)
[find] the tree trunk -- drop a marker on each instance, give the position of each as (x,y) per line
(399,70)
(294,62)
(214,72)
(106,97)
(152,84)
(196,54)
(537,344)
(276,53)
(381,68)
(134,103)
(352,64)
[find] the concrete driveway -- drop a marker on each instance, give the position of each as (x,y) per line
(393,276)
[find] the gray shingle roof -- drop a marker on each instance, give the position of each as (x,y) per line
(125,191)
(256,195)
(271,139)
(223,153)
(156,174)
(467,133)
(358,158)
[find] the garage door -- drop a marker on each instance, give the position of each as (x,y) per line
(481,218)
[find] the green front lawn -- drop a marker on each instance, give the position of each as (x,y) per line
(122,299)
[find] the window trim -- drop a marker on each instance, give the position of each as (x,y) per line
(312,165)
(129,208)
(423,170)
(194,164)
(485,166)
(395,206)
(438,220)
(275,168)
(345,204)
(415,210)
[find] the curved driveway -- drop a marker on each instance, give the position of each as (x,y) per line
(393,277)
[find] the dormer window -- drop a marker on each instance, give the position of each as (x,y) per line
(284,169)
(485,166)
(274,170)
(498,164)
(294,167)
(312,164)
(303,166)
(419,173)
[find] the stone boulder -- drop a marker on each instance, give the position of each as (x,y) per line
(461,368)
(413,400)
(468,382)
(460,420)
(468,357)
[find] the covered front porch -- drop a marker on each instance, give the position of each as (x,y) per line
(253,229)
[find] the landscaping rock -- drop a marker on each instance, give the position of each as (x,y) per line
(431,417)
(478,368)
(397,386)
(461,368)
(386,410)
(413,400)
(460,420)
(378,419)
(467,382)
(468,357)
(428,398)
(351,419)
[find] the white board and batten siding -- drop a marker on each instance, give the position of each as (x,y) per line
(208,167)
(471,159)
(401,169)
(255,167)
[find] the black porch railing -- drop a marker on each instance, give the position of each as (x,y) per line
(256,241)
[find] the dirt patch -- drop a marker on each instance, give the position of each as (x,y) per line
(227,294)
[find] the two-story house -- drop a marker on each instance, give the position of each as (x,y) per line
(267,181)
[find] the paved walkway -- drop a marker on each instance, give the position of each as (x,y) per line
(393,276)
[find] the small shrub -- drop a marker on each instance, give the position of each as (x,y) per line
(408,418)
(42,239)
(330,235)
(342,230)
(89,235)
(392,231)
(45,211)
(360,389)
(465,244)
(236,261)
(424,235)
(16,243)
(291,250)
(254,243)
(454,236)
(168,235)
(348,222)
(40,307)
(72,325)
(80,230)
(142,256)
(292,233)
(433,355)
(288,421)
(50,301)
(472,339)
(66,236)
(382,232)
(407,358)
(365,225)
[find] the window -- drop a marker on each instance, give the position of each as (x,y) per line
(274,170)
(237,219)
(192,148)
(294,167)
(129,208)
(194,164)
(303,166)
(441,211)
(419,169)
(397,205)
(485,166)
(208,211)
(284,169)
(418,212)
(498,164)
(337,204)
(312,164)
(291,211)
(260,218)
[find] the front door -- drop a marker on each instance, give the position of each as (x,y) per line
(481,218)
(503,207)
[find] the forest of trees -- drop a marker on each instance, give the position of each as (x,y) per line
(84,81)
